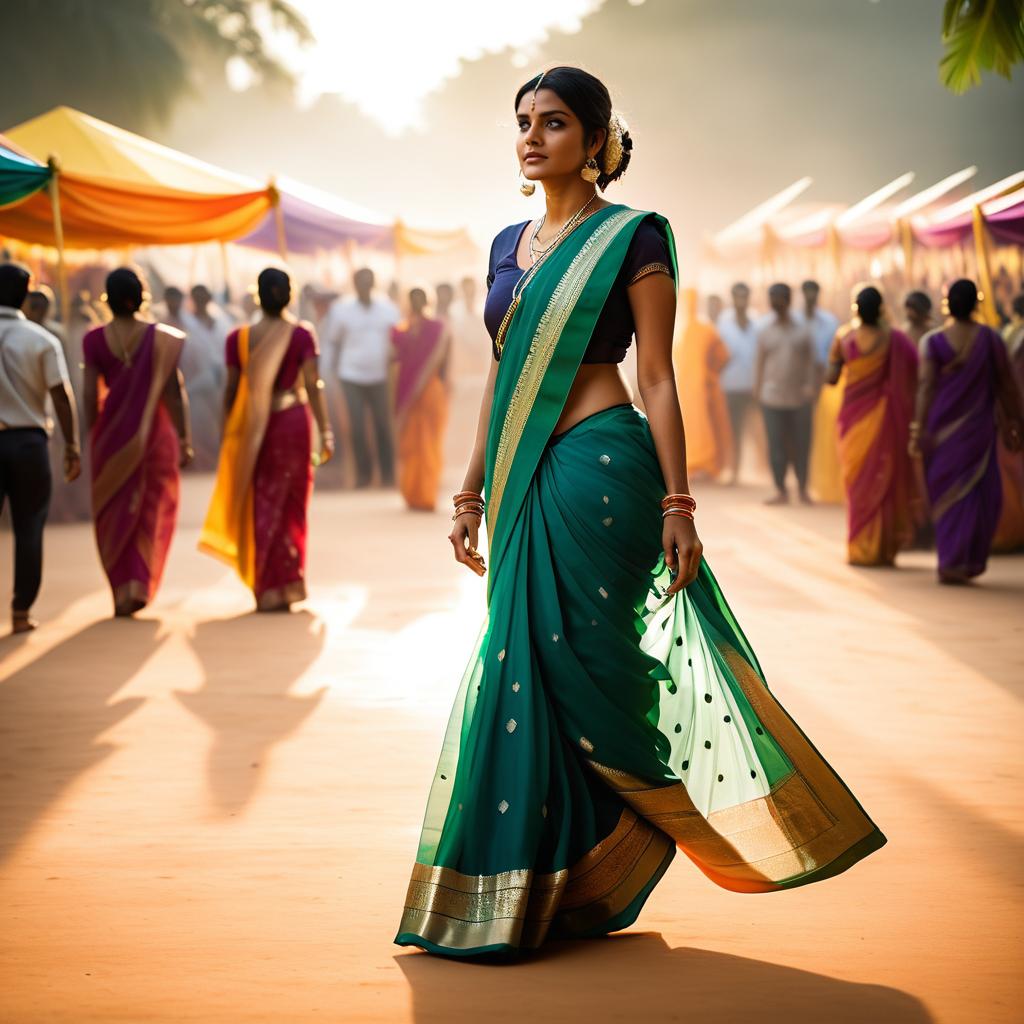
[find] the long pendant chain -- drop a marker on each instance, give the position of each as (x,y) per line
(570,224)
(535,251)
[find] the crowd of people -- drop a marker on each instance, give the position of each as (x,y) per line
(159,390)
(918,424)
(920,419)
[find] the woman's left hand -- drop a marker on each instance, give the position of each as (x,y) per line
(185,454)
(683,551)
(326,446)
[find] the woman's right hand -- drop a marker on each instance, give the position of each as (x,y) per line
(464,537)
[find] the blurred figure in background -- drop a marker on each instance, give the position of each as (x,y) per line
(422,346)
(785,382)
(824,475)
(821,323)
(32,370)
(965,380)
(359,330)
(139,437)
(471,356)
(1010,530)
(445,299)
(700,356)
(173,313)
(739,333)
(874,433)
(917,310)
(257,519)
(715,306)
(206,326)
(39,304)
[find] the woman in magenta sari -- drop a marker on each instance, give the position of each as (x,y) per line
(874,429)
(965,382)
(421,347)
(257,516)
(136,413)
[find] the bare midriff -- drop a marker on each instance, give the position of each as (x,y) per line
(598,386)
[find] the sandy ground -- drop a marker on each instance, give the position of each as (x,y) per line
(210,816)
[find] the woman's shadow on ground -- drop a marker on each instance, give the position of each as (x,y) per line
(53,711)
(250,664)
(637,977)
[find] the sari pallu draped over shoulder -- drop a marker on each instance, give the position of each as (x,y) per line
(135,481)
(600,724)
(874,431)
(229,530)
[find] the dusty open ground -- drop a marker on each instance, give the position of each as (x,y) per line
(207,815)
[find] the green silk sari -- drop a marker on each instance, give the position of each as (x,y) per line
(600,725)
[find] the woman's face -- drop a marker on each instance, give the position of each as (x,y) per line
(550,143)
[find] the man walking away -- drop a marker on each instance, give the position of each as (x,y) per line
(785,380)
(31,367)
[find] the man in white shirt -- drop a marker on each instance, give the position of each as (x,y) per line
(32,368)
(822,325)
(359,331)
(206,327)
(785,379)
(739,332)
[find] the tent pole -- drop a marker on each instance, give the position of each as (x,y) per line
(282,238)
(58,237)
(988,302)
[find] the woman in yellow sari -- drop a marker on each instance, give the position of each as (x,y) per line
(874,432)
(699,359)
(421,349)
(257,517)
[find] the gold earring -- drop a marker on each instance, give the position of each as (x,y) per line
(590,171)
(526,186)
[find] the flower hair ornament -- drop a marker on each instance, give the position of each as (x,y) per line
(613,149)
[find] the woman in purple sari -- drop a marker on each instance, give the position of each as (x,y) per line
(136,413)
(965,384)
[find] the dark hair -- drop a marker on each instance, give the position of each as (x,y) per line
(124,291)
(588,98)
(1018,304)
(740,286)
(810,285)
(962,299)
(869,305)
(14,279)
(274,287)
(782,290)
(918,301)
(172,291)
(418,295)
(37,297)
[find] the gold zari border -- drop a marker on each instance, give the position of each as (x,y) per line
(807,821)
(518,908)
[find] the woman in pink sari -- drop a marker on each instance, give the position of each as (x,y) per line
(257,516)
(136,413)
(421,350)
(874,432)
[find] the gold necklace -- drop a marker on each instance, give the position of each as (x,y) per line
(537,253)
(517,291)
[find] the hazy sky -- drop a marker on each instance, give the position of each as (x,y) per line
(728,101)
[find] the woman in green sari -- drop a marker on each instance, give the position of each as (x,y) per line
(612,710)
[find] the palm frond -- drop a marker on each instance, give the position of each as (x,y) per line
(980,35)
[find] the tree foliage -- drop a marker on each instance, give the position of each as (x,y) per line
(980,35)
(130,60)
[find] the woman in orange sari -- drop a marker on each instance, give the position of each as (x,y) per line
(699,359)
(257,516)
(874,432)
(139,438)
(421,347)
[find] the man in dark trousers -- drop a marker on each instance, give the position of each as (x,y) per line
(31,368)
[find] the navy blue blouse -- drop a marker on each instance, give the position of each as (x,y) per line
(615,327)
